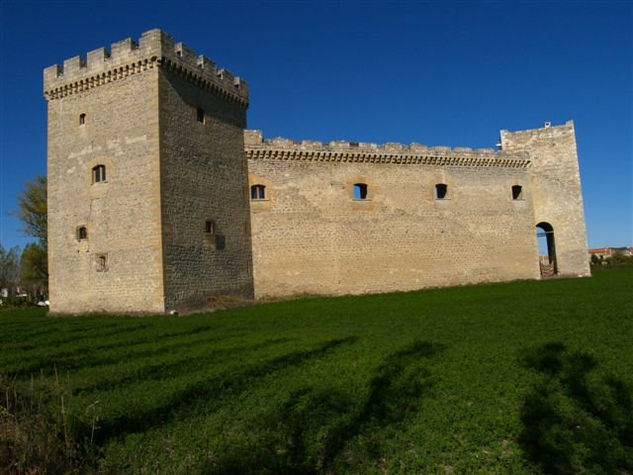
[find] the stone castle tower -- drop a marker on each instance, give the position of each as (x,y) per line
(159,199)
(147,179)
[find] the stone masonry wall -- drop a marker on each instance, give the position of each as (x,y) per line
(147,250)
(311,236)
(122,215)
(557,195)
(203,178)
(173,224)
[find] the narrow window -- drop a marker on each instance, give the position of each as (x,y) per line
(82,233)
(360,191)
(517,192)
(99,174)
(200,115)
(82,119)
(258,192)
(441,191)
(102,262)
(209,226)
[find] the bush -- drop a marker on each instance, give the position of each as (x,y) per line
(38,434)
(13,302)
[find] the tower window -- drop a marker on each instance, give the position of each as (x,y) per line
(209,226)
(517,192)
(82,233)
(360,191)
(99,174)
(200,115)
(102,262)
(82,119)
(258,192)
(441,191)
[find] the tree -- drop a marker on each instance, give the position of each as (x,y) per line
(34,269)
(9,270)
(618,259)
(33,209)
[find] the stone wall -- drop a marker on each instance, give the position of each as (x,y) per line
(203,178)
(147,249)
(173,224)
(121,215)
(556,190)
(311,236)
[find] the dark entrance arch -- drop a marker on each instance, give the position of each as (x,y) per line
(547,249)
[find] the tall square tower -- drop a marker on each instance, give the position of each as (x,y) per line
(147,180)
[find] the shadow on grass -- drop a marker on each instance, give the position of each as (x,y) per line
(309,432)
(206,392)
(104,353)
(173,365)
(574,420)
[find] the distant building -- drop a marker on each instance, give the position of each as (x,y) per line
(607,252)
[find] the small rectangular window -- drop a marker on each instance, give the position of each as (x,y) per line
(209,227)
(101,261)
(517,192)
(258,192)
(82,233)
(360,191)
(441,191)
(200,115)
(99,174)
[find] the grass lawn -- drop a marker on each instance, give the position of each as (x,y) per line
(519,377)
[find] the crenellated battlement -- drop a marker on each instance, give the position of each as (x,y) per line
(256,147)
(155,48)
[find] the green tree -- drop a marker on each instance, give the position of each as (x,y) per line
(32,209)
(9,268)
(618,259)
(34,270)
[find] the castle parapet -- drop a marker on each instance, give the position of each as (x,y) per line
(258,148)
(155,48)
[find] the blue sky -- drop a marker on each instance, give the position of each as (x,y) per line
(435,73)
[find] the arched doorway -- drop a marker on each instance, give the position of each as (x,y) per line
(546,249)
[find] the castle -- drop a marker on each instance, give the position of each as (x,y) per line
(159,199)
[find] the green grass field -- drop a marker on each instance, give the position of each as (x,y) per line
(519,377)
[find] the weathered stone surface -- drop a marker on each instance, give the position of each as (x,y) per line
(556,190)
(174,225)
(167,174)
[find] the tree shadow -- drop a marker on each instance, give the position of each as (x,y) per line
(206,391)
(154,370)
(309,432)
(574,419)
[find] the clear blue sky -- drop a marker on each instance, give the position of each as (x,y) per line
(435,73)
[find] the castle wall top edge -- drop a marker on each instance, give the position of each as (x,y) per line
(153,46)
(547,128)
(254,140)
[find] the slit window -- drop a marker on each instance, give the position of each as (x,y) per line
(360,191)
(209,226)
(102,262)
(200,115)
(82,119)
(82,233)
(99,174)
(441,191)
(517,192)
(258,192)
